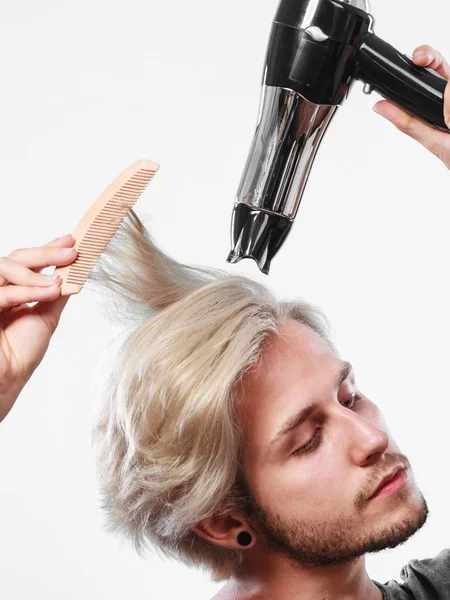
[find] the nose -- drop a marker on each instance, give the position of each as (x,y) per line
(366,441)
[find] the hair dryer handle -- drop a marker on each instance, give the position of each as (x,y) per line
(418,90)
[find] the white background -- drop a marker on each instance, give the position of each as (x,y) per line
(88,87)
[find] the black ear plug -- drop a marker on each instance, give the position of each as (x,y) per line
(244,538)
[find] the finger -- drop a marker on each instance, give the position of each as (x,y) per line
(425,134)
(41,257)
(19,275)
(426,56)
(13,295)
(61,241)
(64,241)
(50,309)
(30,257)
(22,255)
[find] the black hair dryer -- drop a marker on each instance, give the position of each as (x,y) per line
(317,49)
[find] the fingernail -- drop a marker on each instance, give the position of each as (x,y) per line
(63,237)
(375,109)
(52,277)
(68,250)
(421,53)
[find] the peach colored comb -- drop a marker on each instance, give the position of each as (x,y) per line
(102,220)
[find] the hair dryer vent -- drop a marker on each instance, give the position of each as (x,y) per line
(257,234)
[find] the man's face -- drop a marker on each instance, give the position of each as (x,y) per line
(310,487)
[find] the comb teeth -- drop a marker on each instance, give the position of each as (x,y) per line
(101,222)
(105,225)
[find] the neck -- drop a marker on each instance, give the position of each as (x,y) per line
(274,577)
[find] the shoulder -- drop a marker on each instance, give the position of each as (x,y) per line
(435,571)
(423,579)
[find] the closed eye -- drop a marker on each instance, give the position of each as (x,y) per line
(353,400)
(314,441)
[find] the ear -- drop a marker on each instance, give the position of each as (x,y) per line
(224,530)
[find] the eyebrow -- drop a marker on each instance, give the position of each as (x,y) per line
(299,418)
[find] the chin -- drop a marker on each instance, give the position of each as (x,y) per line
(403,514)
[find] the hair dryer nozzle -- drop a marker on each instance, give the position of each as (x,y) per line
(257,234)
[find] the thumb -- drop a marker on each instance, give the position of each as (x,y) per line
(412,126)
(425,134)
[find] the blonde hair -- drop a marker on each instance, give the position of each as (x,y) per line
(167,436)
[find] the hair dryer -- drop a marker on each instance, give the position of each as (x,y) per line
(317,50)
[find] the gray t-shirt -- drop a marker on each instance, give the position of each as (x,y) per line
(425,579)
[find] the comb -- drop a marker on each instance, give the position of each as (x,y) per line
(102,220)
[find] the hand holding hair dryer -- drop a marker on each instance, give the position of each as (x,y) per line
(317,50)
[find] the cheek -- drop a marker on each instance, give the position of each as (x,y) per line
(300,483)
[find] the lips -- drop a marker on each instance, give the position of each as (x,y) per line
(388,478)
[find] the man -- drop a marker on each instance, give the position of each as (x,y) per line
(328,484)
(320,480)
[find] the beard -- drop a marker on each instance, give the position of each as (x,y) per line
(335,541)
